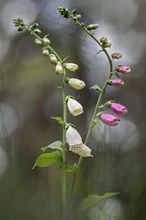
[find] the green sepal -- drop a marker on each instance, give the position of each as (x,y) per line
(57,145)
(59,120)
(92,199)
(49,159)
(99,123)
(96,87)
(71,169)
(115,73)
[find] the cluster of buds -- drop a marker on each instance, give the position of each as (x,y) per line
(112,120)
(75,143)
(69,14)
(105,42)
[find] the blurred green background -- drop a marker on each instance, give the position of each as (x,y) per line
(29,96)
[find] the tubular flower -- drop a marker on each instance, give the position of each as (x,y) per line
(109,120)
(75,143)
(116,82)
(59,69)
(123,69)
(74,107)
(76,83)
(116,55)
(118,108)
(71,66)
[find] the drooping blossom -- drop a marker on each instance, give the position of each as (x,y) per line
(59,69)
(123,69)
(74,107)
(71,66)
(116,82)
(76,83)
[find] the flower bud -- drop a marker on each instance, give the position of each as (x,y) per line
(20,29)
(34,26)
(76,83)
(103,40)
(59,69)
(53,59)
(75,143)
(116,82)
(92,26)
(46,41)
(74,107)
(123,69)
(37,31)
(118,108)
(38,41)
(106,45)
(71,66)
(116,55)
(45,51)
(110,120)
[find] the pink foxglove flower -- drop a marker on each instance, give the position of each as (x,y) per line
(76,83)
(71,66)
(74,107)
(123,69)
(116,55)
(110,120)
(118,108)
(75,143)
(116,82)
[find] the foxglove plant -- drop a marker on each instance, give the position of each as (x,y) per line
(69,133)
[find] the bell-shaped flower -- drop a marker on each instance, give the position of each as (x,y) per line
(110,120)
(75,143)
(76,83)
(74,107)
(71,66)
(118,108)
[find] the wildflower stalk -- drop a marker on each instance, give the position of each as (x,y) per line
(101,93)
(63,176)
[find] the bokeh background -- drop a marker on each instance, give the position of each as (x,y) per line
(29,96)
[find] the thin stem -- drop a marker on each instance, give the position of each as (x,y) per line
(63,176)
(99,98)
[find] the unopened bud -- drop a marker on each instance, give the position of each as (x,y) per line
(34,26)
(45,51)
(92,26)
(103,40)
(37,31)
(53,59)
(106,45)
(20,29)
(116,82)
(38,41)
(71,66)
(116,55)
(59,69)
(46,41)
(123,69)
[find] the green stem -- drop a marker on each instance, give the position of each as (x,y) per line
(63,176)
(98,100)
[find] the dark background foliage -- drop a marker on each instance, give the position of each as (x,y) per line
(29,96)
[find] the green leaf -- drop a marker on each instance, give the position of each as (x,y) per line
(55,145)
(49,159)
(99,123)
(92,199)
(115,73)
(96,87)
(59,119)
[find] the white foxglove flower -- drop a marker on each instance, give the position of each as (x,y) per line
(53,59)
(76,83)
(71,66)
(74,107)
(59,69)
(75,143)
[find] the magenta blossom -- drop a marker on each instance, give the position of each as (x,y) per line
(116,82)
(110,120)
(116,55)
(119,109)
(123,69)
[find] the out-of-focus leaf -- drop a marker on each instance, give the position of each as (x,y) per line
(99,123)
(57,145)
(96,87)
(92,199)
(70,168)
